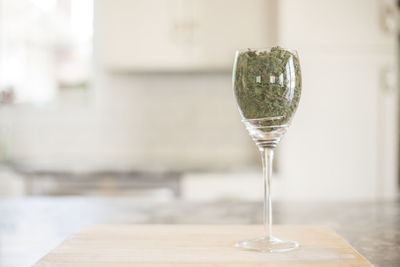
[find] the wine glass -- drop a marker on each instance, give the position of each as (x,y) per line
(267,88)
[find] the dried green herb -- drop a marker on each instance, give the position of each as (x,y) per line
(268,84)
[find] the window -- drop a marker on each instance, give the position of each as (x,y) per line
(45,47)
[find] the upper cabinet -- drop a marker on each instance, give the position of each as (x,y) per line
(180,35)
(339,24)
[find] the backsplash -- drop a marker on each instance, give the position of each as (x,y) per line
(167,121)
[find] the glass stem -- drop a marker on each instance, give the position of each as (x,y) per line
(267,155)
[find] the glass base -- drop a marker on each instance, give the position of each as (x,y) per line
(271,244)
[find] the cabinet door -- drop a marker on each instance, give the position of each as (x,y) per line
(178,35)
(342,143)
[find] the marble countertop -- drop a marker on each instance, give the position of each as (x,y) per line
(30,227)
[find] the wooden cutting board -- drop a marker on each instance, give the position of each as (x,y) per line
(197,245)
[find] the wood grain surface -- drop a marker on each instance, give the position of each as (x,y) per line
(197,245)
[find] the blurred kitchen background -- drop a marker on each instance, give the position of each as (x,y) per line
(109,97)
(133,99)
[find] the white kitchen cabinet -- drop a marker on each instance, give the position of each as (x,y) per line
(181,35)
(343,141)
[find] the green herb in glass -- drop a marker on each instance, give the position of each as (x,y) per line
(267,84)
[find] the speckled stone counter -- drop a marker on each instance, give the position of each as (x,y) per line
(30,227)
